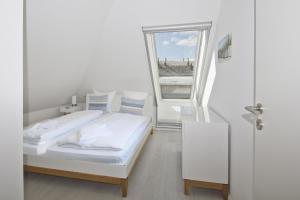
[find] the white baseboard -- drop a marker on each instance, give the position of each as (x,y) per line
(32,117)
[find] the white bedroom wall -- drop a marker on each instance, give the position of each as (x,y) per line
(233,90)
(61,37)
(11,80)
(120,61)
(36,116)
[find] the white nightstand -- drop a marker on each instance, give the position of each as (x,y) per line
(205,151)
(67,109)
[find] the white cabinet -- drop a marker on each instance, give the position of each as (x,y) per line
(205,151)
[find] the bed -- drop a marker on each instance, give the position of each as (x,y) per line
(106,166)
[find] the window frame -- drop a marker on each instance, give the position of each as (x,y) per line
(149,35)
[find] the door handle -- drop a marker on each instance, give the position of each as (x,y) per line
(257,110)
(259,124)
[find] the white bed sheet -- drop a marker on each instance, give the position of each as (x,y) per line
(32,149)
(104,156)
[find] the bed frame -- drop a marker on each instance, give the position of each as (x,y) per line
(110,173)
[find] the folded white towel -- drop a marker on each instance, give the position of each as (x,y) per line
(114,135)
(92,132)
(100,144)
(50,129)
(38,129)
(89,137)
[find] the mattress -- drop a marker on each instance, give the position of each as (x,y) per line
(104,156)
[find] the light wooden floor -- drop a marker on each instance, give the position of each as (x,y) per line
(156,176)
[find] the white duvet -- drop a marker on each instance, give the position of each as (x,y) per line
(112,133)
(40,133)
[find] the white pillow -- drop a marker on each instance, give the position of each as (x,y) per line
(100,101)
(133,102)
(135,95)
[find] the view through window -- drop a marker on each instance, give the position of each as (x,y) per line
(176,55)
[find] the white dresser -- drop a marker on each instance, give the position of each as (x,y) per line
(204,150)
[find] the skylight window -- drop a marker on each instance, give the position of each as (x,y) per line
(174,53)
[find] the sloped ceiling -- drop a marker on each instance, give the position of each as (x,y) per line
(60,38)
(75,45)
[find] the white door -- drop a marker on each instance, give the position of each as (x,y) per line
(277,146)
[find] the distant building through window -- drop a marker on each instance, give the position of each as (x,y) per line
(176,53)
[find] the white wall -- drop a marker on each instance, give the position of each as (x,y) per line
(11,55)
(36,116)
(234,89)
(61,37)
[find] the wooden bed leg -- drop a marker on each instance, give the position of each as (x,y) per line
(225,191)
(186,187)
(124,187)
